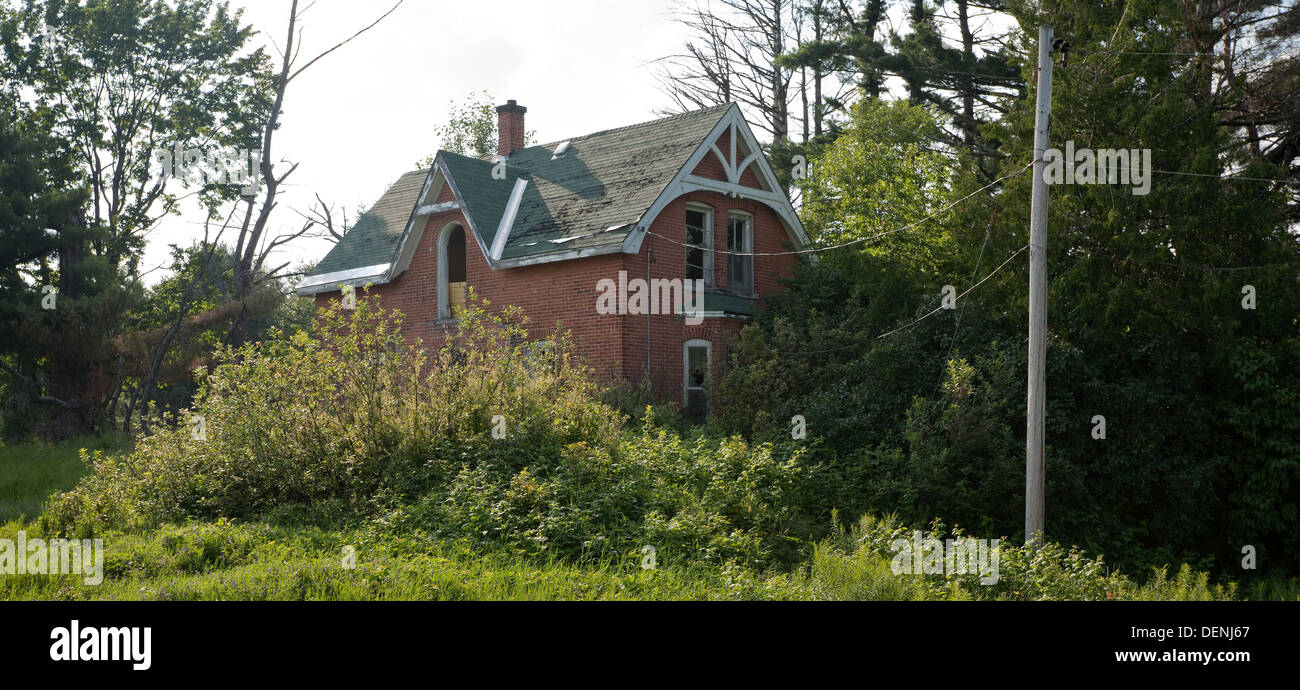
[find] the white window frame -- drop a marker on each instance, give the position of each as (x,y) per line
(708,239)
(686,369)
(444,268)
(748,290)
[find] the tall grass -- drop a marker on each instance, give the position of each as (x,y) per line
(30,473)
(259,562)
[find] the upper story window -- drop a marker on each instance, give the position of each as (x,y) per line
(699,235)
(740,238)
(451,270)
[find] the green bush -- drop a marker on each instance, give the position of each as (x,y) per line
(331,428)
(857,564)
(359,426)
(706,500)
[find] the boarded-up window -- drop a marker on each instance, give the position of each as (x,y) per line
(451,272)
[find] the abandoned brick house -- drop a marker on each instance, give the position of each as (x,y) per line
(688,197)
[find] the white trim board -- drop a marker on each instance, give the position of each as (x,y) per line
(685,181)
(329,282)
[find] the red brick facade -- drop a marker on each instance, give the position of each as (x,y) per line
(626,347)
(565,293)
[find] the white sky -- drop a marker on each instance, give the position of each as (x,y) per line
(365,114)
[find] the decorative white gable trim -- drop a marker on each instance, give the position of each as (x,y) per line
(329,282)
(438,177)
(685,181)
(508,219)
(437,208)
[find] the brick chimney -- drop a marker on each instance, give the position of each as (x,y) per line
(510,128)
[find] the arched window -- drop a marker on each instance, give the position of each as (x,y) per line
(451,270)
(696,368)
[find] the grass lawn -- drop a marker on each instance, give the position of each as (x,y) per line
(225,560)
(30,473)
(259,562)
(234,560)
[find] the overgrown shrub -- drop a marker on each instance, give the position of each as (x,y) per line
(857,564)
(702,500)
(490,439)
(333,427)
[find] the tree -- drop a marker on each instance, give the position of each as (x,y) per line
(918,409)
(124,82)
(848,43)
(970,83)
(111,86)
(132,87)
(471,129)
(253,246)
(57,302)
(734,56)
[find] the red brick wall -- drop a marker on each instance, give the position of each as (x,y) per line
(667,333)
(711,168)
(565,292)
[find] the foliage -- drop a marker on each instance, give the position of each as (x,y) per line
(233,559)
(96,91)
(1146,326)
(858,564)
(128,80)
(362,425)
(59,305)
(198,299)
(471,129)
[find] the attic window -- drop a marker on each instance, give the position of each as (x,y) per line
(451,271)
(560,151)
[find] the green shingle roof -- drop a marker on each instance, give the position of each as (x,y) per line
(589,198)
(373,238)
(607,179)
(731,304)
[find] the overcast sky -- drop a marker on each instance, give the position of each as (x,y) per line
(365,114)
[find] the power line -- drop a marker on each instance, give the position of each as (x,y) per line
(956,329)
(858,240)
(1212,176)
(1143,52)
(940,308)
(918,320)
(1283,180)
(1226,177)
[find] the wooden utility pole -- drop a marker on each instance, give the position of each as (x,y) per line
(1037,398)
